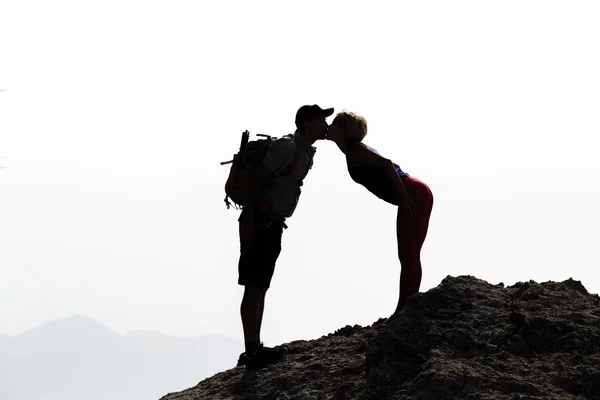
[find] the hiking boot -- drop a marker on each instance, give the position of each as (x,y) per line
(262,356)
(275,352)
(243,360)
(248,357)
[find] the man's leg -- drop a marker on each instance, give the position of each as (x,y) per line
(261,310)
(256,267)
(251,312)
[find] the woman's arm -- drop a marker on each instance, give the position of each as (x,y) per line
(358,153)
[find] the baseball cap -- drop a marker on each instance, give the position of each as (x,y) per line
(307,112)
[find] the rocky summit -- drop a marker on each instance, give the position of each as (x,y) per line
(464,339)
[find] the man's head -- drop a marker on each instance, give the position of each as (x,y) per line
(310,122)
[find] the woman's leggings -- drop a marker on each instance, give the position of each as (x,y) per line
(411,232)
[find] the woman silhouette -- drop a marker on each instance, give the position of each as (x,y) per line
(390,183)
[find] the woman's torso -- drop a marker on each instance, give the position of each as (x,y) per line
(375,179)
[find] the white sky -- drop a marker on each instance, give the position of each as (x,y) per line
(115,116)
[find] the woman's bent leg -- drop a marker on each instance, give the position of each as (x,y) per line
(411,232)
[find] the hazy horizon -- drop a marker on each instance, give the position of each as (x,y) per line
(81,317)
(67,357)
(114,118)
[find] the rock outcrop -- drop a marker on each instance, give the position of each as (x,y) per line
(464,339)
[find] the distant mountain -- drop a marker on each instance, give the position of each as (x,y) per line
(76,358)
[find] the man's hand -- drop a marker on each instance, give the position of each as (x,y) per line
(407,205)
(248,227)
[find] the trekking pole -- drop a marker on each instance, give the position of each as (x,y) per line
(243,147)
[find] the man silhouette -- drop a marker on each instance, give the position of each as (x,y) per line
(261,228)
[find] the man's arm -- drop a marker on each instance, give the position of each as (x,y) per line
(258,177)
(280,154)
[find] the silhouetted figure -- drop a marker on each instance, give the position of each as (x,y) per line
(277,183)
(390,183)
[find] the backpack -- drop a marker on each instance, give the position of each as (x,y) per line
(249,157)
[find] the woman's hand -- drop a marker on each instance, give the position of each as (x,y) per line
(406,204)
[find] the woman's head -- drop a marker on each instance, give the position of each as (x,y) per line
(349,126)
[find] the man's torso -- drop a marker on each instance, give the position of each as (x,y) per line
(283,189)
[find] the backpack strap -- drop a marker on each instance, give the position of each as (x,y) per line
(297,155)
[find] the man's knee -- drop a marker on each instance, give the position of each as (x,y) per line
(253,294)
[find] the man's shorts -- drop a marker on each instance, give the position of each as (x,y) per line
(258,258)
